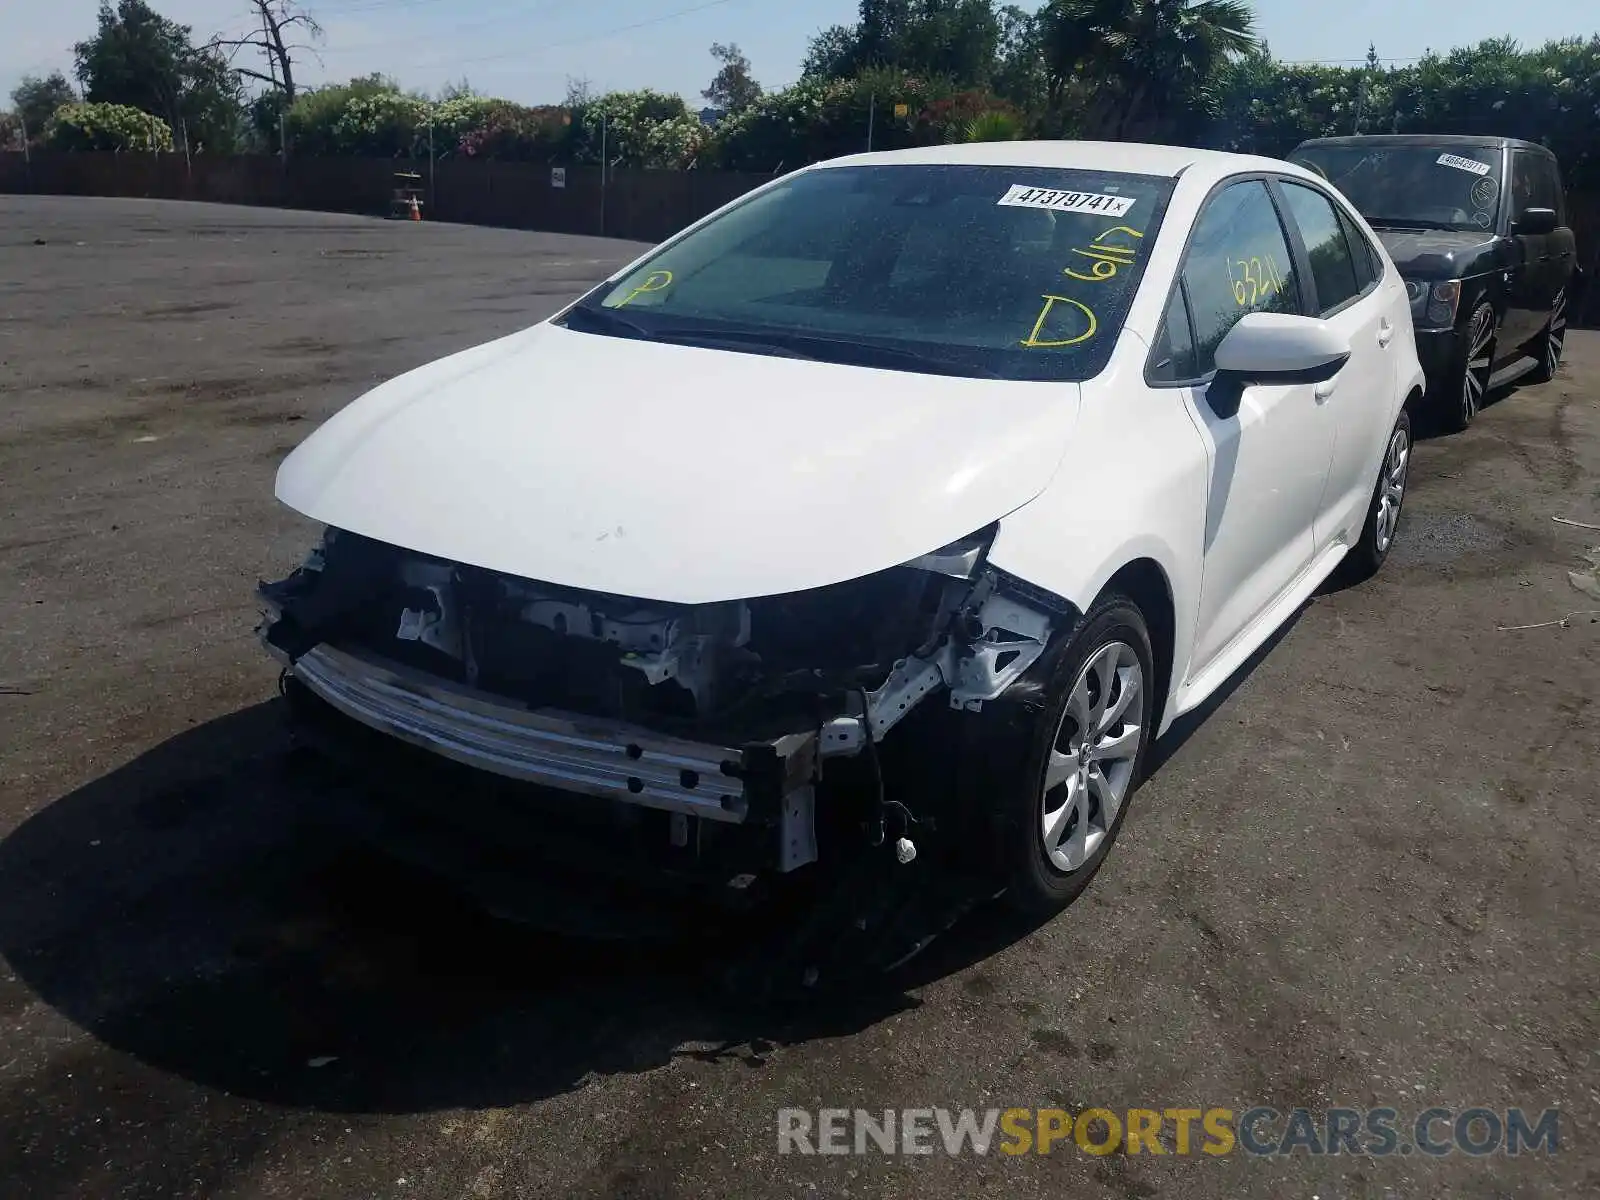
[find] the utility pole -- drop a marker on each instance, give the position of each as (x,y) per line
(605,170)
(872,112)
(23,122)
(431,198)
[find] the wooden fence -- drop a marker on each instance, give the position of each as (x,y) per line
(643,205)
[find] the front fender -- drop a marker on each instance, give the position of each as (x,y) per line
(1132,487)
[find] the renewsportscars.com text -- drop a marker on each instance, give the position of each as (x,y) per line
(1260,1131)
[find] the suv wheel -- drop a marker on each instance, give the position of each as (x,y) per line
(1464,389)
(1547,350)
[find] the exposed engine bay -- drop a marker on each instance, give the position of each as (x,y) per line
(726,713)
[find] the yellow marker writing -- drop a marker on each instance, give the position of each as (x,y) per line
(1107,259)
(1032,340)
(653,282)
(1127,229)
(1262,277)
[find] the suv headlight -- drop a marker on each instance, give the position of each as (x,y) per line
(1433,306)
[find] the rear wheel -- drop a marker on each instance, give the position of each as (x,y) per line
(1383,513)
(1552,342)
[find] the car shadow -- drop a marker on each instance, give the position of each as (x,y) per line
(1427,425)
(185,911)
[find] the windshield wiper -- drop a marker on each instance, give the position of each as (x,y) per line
(808,346)
(1406,223)
(853,353)
(603,320)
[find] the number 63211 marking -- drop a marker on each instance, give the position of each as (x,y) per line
(1260,277)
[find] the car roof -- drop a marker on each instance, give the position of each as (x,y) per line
(1423,139)
(1136,158)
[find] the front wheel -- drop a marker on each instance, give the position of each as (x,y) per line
(1463,391)
(1548,349)
(1060,802)
(1383,513)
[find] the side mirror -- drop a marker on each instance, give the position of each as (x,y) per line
(1274,348)
(1535,222)
(1282,348)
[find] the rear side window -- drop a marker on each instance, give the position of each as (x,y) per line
(1238,263)
(1332,267)
(1369,266)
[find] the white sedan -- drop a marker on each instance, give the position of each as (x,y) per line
(888,513)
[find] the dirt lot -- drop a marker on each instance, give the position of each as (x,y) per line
(1367,878)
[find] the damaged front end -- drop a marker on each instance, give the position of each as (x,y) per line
(765,727)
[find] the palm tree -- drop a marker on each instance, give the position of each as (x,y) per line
(1140,64)
(996,125)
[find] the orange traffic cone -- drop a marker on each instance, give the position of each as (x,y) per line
(416,209)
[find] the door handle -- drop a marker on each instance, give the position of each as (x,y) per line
(1385,332)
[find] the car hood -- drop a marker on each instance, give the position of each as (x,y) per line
(1437,253)
(675,473)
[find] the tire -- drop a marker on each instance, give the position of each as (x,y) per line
(1382,520)
(1547,350)
(1460,398)
(1021,734)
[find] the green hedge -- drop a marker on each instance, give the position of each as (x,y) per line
(106,127)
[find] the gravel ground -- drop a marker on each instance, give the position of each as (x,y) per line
(1366,878)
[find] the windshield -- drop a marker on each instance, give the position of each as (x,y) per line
(1425,187)
(997,272)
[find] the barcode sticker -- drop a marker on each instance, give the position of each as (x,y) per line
(1463,164)
(1056,200)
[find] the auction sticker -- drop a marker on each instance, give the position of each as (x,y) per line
(1056,200)
(1463,164)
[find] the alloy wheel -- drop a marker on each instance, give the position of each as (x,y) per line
(1392,490)
(1093,757)
(1556,336)
(1480,358)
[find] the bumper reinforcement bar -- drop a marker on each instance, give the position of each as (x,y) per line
(591,755)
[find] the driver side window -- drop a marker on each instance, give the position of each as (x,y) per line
(1239,262)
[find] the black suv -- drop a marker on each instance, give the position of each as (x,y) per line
(1477,227)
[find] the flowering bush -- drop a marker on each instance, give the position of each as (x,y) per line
(106,127)
(503,130)
(387,124)
(641,129)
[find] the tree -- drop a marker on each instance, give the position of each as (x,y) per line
(957,40)
(732,90)
(1019,74)
(831,54)
(140,59)
(279,20)
(37,100)
(1140,67)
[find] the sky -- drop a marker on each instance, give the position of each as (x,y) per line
(526,50)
